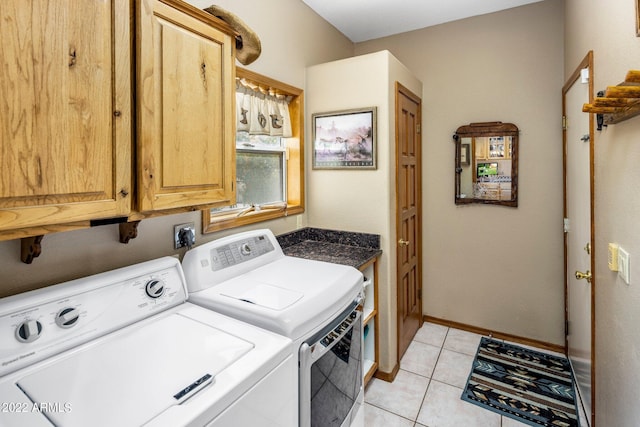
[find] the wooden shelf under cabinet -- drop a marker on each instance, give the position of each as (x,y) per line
(620,102)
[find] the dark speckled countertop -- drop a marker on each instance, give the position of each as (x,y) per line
(338,247)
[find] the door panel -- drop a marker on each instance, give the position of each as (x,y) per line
(408,211)
(578,239)
(65,114)
(186,154)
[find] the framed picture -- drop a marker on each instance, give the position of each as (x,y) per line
(638,18)
(345,139)
(465,152)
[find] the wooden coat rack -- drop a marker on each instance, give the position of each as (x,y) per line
(620,102)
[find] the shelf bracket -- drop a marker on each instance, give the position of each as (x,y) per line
(30,248)
(128,231)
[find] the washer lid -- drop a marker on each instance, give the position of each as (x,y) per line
(264,295)
(325,290)
(136,376)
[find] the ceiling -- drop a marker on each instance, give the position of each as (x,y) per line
(362,20)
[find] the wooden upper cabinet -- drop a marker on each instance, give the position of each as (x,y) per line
(65,111)
(185,100)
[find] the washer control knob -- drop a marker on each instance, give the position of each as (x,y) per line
(245,249)
(155,288)
(67,317)
(28,331)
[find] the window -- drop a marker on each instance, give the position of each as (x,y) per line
(269,169)
(261,177)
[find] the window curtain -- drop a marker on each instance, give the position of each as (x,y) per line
(261,111)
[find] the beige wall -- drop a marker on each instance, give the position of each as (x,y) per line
(608,28)
(493,267)
(361,200)
(293,37)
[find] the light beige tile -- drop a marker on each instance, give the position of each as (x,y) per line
(376,417)
(431,333)
(420,358)
(510,422)
(443,407)
(462,341)
(402,397)
(453,368)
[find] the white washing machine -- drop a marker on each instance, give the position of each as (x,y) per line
(316,304)
(124,348)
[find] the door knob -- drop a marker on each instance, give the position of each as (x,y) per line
(587,275)
(403,242)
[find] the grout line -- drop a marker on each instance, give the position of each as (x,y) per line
(390,412)
(424,398)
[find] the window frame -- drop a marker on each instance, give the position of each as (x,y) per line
(294,157)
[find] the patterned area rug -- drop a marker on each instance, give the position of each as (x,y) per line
(532,387)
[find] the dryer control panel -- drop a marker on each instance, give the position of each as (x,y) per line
(220,260)
(240,251)
(47,321)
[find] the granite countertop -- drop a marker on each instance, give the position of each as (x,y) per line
(338,247)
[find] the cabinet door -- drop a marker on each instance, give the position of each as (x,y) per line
(186,84)
(65,111)
(480,147)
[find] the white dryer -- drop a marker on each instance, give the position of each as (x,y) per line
(124,348)
(316,304)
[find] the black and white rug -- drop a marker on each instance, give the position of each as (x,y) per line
(532,387)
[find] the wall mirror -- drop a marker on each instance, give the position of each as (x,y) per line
(487,164)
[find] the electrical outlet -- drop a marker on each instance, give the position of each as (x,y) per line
(184,235)
(623,265)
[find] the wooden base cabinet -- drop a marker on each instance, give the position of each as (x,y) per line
(65,111)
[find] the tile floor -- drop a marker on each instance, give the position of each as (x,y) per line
(426,392)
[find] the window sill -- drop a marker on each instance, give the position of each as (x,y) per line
(218,222)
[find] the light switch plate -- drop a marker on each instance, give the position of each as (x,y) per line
(623,265)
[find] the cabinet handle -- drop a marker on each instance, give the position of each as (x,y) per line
(124,193)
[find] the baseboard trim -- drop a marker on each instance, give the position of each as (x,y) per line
(499,335)
(388,376)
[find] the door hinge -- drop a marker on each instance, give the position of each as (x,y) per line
(418,129)
(564,122)
(566,226)
(566,328)
(420,294)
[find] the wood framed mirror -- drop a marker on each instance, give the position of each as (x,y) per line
(486,164)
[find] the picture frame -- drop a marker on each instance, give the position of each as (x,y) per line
(637,18)
(345,139)
(465,154)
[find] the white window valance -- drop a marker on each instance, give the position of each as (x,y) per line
(261,111)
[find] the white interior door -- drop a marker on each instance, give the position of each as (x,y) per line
(578,141)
